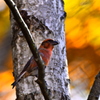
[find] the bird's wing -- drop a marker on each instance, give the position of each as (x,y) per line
(24,70)
(27,65)
(45,54)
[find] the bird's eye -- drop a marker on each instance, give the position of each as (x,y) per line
(46,45)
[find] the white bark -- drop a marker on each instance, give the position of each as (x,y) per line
(49,12)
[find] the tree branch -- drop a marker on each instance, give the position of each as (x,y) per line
(32,46)
(95,90)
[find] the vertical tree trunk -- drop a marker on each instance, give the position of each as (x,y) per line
(50,13)
(95,90)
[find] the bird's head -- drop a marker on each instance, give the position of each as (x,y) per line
(49,44)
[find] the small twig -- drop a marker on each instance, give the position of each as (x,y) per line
(32,46)
(95,90)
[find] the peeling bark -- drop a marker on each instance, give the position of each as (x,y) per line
(49,13)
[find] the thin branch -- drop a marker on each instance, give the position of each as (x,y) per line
(95,90)
(32,46)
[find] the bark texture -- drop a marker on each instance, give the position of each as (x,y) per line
(95,90)
(50,13)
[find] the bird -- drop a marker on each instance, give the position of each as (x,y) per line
(45,51)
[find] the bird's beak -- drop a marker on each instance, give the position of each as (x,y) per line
(55,42)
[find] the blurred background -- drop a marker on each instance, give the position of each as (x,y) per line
(82,27)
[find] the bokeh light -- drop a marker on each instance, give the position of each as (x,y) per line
(83,44)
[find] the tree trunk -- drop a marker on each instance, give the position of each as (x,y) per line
(50,13)
(95,90)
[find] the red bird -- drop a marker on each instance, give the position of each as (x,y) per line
(45,51)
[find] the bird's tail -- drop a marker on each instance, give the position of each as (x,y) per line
(18,79)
